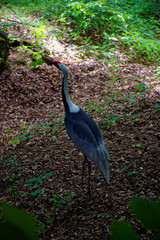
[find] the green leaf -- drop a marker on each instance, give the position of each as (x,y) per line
(123,169)
(53,138)
(122,231)
(43,35)
(9,130)
(132,172)
(42,226)
(156,106)
(147,212)
(42,27)
(34,186)
(22,127)
(33,64)
(15,141)
(49,174)
(134,116)
(36,179)
(141,86)
(18,224)
(9,231)
(37,191)
(104,215)
(139,145)
(49,220)
(113,38)
(30,180)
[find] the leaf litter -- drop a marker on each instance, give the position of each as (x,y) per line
(35,147)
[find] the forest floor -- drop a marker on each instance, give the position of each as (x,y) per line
(124,101)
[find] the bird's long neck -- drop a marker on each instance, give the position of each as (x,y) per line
(65,96)
(68,104)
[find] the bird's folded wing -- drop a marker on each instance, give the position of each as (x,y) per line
(82,136)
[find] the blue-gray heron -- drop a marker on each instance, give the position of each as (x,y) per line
(83,131)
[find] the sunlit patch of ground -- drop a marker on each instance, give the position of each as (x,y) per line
(124,101)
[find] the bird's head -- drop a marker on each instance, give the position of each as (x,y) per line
(61,67)
(57,63)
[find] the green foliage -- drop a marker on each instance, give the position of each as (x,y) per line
(104,215)
(140,86)
(122,231)
(37,59)
(30,131)
(6,25)
(102,25)
(21,137)
(134,116)
(157,72)
(129,173)
(125,168)
(61,201)
(37,34)
(110,119)
(141,46)
(156,106)
(12,191)
(34,184)
(147,212)
(121,101)
(12,178)
(10,162)
(106,22)
(16,224)
(132,172)
(93,15)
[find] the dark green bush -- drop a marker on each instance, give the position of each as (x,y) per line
(16,224)
(145,211)
(104,24)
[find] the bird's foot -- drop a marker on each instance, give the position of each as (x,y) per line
(86,162)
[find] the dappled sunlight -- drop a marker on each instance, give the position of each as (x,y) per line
(40,167)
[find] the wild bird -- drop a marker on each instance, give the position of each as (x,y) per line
(83,130)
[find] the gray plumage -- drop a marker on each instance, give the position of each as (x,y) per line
(85,133)
(83,130)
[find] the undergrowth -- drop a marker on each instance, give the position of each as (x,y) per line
(102,26)
(146,212)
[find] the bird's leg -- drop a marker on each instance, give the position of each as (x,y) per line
(89,177)
(85,161)
(83,167)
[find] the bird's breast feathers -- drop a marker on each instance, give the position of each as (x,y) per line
(83,131)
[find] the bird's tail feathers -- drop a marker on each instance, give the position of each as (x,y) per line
(102,161)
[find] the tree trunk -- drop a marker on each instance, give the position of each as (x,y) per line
(4,51)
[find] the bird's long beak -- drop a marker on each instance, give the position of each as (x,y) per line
(49,61)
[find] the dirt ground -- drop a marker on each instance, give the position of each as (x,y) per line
(124,101)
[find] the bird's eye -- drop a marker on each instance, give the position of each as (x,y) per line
(57,64)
